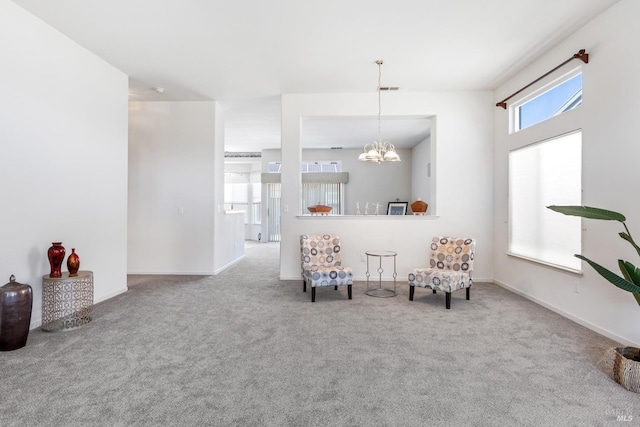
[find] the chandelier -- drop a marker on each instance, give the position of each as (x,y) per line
(379,151)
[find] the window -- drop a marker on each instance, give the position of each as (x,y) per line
(561,96)
(323,184)
(236,196)
(543,174)
(323,193)
(334,166)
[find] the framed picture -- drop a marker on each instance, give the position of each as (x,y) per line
(397,208)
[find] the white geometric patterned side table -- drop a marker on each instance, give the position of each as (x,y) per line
(66,301)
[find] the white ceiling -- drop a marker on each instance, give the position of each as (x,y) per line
(245,53)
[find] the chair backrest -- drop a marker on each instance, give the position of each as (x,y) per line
(452,253)
(319,249)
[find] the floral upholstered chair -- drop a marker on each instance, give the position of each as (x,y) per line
(450,267)
(321,263)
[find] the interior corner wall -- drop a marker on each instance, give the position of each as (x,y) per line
(63,144)
(608,118)
(462,140)
(171,187)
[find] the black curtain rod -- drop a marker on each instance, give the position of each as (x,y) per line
(581,55)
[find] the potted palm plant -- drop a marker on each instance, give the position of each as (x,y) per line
(621,363)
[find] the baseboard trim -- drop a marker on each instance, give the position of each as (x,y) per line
(563,313)
(399,280)
(170,273)
(111,295)
(36,323)
(229,265)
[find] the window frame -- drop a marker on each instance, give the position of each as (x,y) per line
(514,108)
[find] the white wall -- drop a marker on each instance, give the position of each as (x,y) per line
(171,187)
(228,244)
(462,139)
(610,126)
(63,139)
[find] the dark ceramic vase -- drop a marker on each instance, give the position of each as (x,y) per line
(56,256)
(73,263)
(16,300)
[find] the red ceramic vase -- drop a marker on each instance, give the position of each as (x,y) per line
(56,256)
(73,263)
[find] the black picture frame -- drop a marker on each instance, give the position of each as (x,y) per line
(397,208)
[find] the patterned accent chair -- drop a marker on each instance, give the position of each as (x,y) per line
(321,263)
(450,267)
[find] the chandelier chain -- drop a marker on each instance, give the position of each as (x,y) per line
(379,98)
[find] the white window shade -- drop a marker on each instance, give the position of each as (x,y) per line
(543,174)
(236,193)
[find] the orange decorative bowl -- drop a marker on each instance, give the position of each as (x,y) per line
(319,209)
(419,207)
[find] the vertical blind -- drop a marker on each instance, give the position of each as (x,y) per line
(323,193)
(543,174)
(274,193)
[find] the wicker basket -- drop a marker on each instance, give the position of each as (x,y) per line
(623,365)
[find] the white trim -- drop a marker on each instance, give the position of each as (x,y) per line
(369,217)
(535,91)
(36,323)
(401,280)
(173,273)
(111,295)
(578,320)
(546,264)
(229,265)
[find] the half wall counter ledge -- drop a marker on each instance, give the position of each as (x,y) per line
(67,302)
(427,217)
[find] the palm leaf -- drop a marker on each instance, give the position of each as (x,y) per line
(637,297)
(588,212)
(611,277)
(629,239)
(630,272)
(624,271)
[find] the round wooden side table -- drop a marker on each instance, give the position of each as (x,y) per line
(67,301)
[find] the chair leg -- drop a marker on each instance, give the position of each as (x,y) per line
(313,294)
(411,290)
(448,300)
(468,293)
(304,285)
(336,287)
(434,291)
(349,291)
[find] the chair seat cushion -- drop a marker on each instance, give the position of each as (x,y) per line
(322,275)
(443,280)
